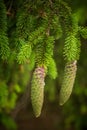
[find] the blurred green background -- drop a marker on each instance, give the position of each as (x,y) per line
(70,116)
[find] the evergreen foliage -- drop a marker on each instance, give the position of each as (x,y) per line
(83,32)
(29,30)
(24,53)
(4,48)
(52,69)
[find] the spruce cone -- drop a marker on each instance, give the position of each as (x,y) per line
(68,82)
(37,90)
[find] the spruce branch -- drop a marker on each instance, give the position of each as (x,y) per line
(24,53)
(83,32)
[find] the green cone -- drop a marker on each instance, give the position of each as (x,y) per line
(68,82)
(37,90)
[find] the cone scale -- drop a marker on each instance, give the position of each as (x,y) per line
(37,90)
(68,82)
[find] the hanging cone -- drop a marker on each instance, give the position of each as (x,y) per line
(68,82)
(37,90)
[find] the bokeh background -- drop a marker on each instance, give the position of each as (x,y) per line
(71,116)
